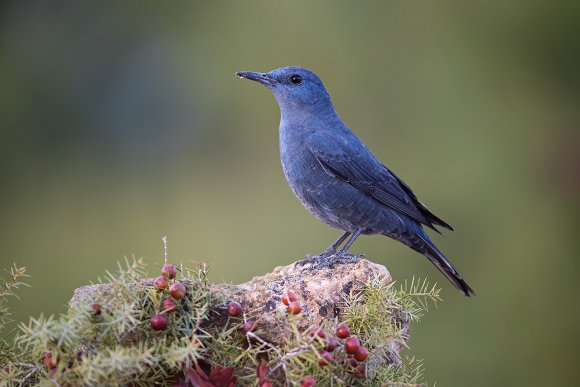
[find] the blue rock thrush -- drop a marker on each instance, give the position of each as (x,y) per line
(339,180)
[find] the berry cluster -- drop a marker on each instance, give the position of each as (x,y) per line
(291,301)
(349,352)
(294,307)
(169,305)
(235,310)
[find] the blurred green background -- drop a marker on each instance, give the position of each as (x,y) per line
(121,123)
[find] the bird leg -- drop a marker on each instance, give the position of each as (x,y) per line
(324,261)
(349,243)
(331,250)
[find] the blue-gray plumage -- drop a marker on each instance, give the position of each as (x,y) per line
(339,180)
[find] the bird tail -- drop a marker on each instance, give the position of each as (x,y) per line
(425,246)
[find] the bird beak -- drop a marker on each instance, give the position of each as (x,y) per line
(263,78)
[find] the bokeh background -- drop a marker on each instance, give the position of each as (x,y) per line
(121,123)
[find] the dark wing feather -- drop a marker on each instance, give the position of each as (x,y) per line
(431,217)
(346,158)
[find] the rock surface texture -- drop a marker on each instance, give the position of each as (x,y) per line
(320,292)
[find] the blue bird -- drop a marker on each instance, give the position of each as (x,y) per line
(339,180)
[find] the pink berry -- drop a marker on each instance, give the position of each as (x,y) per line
(284,299)
(325,358)
(159,322)
(291,296)
(359,371)
(294,307)
(352,345)
(249,326)
(288,297)
(177,290)
(169,271)
(234,309)
(361,353)
(266,383)
(96,309)
(168,305)
(160,283)
(48,361)
(318,332)
(331,344)
(308,381)
(342,332)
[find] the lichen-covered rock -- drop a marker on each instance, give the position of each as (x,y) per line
(137,330)
(320,292)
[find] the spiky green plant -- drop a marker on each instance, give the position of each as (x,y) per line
(10,285)
(113,343)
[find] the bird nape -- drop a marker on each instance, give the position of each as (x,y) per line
(339,180)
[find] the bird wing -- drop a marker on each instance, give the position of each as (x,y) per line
(345,157)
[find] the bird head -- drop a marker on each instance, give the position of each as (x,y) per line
(294,88)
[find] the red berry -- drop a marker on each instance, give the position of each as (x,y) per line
(177,290)
(249,326)
(168,305)
(351,362)
(48,361)
(361,353)
(308,381)
(261,371)
(266,383)
(342,332)
(234,309)
(160,283)
(294,307)
(96,309)
(291,296)
(331,344)
(318,331)
(359,371)
(325,358)
(159,322)
(352,345)
(169,271)
(284,299)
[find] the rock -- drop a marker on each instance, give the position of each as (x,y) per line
(319,291)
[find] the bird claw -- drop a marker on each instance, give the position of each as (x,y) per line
(350,258)
(313,258)
(324,262)
(309,258)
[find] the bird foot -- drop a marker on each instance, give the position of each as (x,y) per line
(323,261)
(314,258)
(309,259)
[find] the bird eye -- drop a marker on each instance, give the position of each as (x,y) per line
(296,79)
